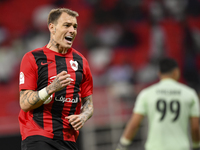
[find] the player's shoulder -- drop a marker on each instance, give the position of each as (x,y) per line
(29,53)
(78,54)
(149,89)
(184,87)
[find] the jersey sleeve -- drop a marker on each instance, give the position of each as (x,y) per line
(87,84)
(28,76)
(194,110)
(140,105)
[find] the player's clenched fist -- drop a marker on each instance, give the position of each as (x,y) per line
(77,121)
(62,80)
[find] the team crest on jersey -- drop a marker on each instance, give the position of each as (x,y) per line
(74,65)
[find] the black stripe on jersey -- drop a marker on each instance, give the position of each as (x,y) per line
(42,82)
(57,107)
(79,76)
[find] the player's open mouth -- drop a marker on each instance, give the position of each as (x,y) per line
(69,39)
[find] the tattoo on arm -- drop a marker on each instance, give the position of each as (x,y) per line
(52,87)
(30,96)
(87,108)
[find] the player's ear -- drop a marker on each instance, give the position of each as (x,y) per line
(159,74)
(176,73)
(52,28)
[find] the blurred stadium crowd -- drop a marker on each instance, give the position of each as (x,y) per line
(122,40)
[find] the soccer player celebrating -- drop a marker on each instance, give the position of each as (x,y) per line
(56,88)
(169,106)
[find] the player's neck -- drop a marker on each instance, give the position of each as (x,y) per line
(57,48)
(167,77)
(163,78)
(171,75)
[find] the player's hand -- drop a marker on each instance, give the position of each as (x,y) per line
(77,121)
(121,147)
(62,80)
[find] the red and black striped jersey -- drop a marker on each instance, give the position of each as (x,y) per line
(38,69)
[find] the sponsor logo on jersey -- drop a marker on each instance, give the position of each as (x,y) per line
(21,78)
(69,100)
(74,65)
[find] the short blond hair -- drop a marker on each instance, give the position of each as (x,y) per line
(54,14)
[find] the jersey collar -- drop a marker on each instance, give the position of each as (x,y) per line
(167,80)
(68,51)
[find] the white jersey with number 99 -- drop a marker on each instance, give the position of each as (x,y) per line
(168,106)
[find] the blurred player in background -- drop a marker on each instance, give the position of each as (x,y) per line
(169,106)
(56,88)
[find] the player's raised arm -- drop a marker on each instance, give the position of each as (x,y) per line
(30,99)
